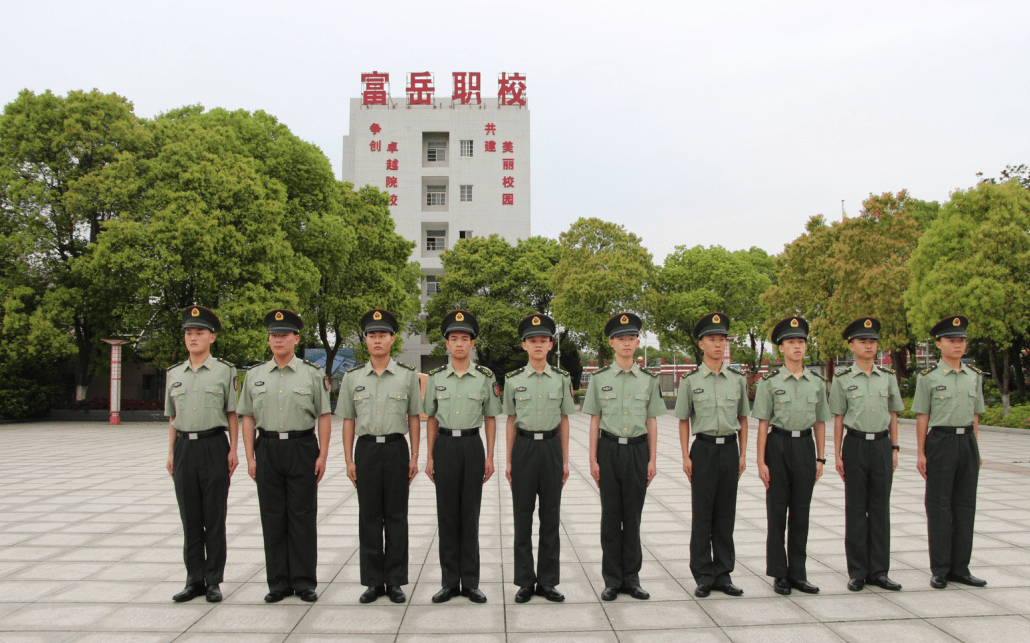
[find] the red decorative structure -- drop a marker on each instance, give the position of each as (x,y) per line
(116,377)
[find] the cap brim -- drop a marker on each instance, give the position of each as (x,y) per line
(713,331)
(953,333)
(283,329)
(792,335)
(864,335)
(625,331)
(382,328)
(460,328)
(537,332)
(198,324)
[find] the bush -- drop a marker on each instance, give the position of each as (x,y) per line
(104,403)
(577,396)
(1018,417)
(24,403)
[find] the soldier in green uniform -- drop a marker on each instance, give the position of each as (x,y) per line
(380,401)
(948,401)
(623,400)
(865,401)
(538,401)
(200,400)
(284,399)
(460,397)
(712,405)
(791,401)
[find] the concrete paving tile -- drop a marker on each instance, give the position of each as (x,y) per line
(700,635)
(754,611)
(795,633)
(859,606)
(553,617)
(252,618)
(124,637)
(896,631)
(359,619)
(642,615)
(171,617)
(99,592)
(562,637)
(35,637)
(489,637)
(302,637)
(59,571)
(42,616)
(27,591)
(447,617)
(230,637)
(140,571)
(933,603)
(996,629)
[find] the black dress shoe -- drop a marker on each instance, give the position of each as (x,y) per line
(804,586)
(524,594)
(550,593)
(307,595)
(885,583)
(189,593)
(610,594)
(856,584)
(782,586)
(395,593)
(729,589)
(474,594)
(445,594)
(637,592)
(702,591)
(275,597)
(371,594)
(213,595)
(938,582)
(970,580)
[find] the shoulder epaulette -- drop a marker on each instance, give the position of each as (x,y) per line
(736,370)
(437,369)
(562,371)
(817,375)
(410,368)
(484,370)
(926,371)
(515,372)
(886,370)
(842,371)
(182,363)
(692,372)
(975,369)
(770,374)
(602,369)
(310,363)
(226,362)
(355,367)
(645,370)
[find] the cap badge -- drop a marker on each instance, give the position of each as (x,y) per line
(536,321)
(377,315)
(794,323)
(459,317)
(196,313)
(624,320)
(956,322)
(868,323)
(278,316)
(716,319)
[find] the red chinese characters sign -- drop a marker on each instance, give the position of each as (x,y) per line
(466,87)
(374,88)
(511,90)
(420,88)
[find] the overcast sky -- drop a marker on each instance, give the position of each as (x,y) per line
(707,123)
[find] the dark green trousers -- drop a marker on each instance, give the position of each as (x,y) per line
(200,473)
(623,487)
(713,496)
(459,465)
(382,511)
(952,473)
(536,472)
(791,463)
(288,496)
(868,475)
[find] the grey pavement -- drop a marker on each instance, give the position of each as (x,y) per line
(91,550)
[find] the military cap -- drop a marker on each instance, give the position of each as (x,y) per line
(379,319)
(281,320)
(712,324)
(460,320)
(201,317)
(862,328)
(951,326)
(623,324)
(536,325)
(789,328)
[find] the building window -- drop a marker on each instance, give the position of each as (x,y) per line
(436,195)
(436,239)
(436,151)
(466,193)
(464,234)
(466,148)
(432,284)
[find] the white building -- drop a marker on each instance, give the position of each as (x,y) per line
(454,168)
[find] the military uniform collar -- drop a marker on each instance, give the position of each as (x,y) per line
(941,364)
(548,371)
(292,364)
(857,370)
(206,364)
(471,371)
(391,367)
(705,371)
(787,374)
(618,369)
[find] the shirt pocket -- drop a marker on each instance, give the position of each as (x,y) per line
(213,397)
(360,399)
(704,401)
(178,400)
(639,402)
(397,403)
(259,397)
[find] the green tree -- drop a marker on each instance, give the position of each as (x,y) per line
(975,260)
(602,269)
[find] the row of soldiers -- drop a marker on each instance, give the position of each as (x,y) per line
(286,399)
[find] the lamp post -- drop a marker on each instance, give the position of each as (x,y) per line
(116,377)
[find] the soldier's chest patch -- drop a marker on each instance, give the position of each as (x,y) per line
(781,392)
(521,389)
(606,388)
(359,388)
(698,390)
(942,388)
(441,388)
(853,387)
(176,384)
(259,383)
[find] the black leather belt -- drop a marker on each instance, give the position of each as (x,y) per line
(284,435)
(866,436)
(458,433)
(614,438)
(539,435)
(722,439)
(389,437)
(200,435)
(957,430)
(793,434)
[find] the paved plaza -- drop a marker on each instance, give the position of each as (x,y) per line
(91,550)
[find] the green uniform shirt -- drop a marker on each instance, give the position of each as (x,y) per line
(949,397)
(380,404)
(791,403)
(461,402)
(624,399)
(712,401)
(538,400)
(865,401)
(200,399)
(291,398)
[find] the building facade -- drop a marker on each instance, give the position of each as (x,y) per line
(454,167)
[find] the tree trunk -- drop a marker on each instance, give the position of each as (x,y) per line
(1001,380)
(1017,366)
(1005,408)
(829,369)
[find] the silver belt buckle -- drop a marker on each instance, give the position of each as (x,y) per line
(455,434)
(538,436)
(960,431)
(870,436)
(194,436)
(284,436)
(380,439)
(623,440)
(720,440)
(795,434)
